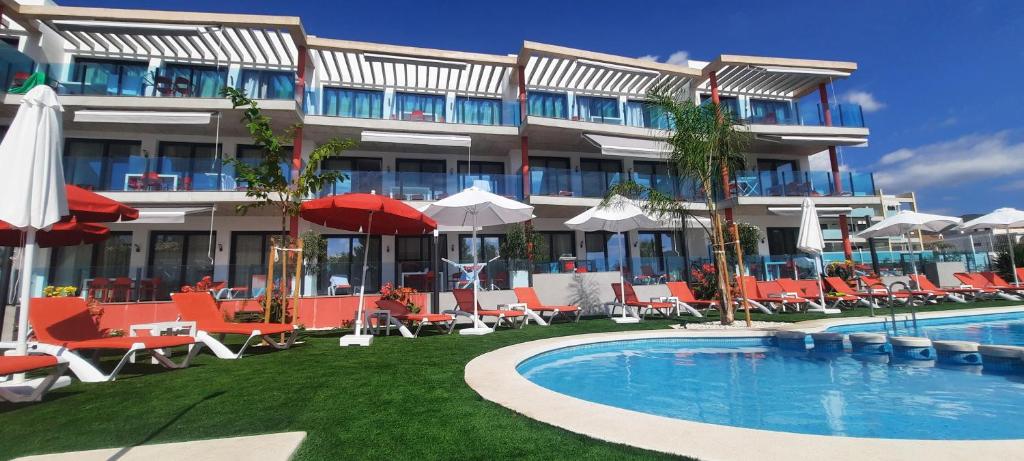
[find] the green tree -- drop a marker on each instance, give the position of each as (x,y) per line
(266,182)
(705,141)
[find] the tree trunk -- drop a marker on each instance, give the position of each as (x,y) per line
(735,232)
(721,265)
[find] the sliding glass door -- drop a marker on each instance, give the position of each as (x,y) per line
(179,258)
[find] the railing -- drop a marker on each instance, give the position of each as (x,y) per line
(801,184)
(425,186)
(779,112)
(143,174)
(331,102)
(15,66)
(559,182)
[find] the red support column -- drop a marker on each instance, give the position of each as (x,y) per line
(524,145)
(837,181)
(300,96)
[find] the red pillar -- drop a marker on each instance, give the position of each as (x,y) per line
(524,144)
(837,181)
(300,95)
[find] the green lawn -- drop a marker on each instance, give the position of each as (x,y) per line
(399,399)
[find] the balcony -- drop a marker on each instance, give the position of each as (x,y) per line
(15,67)
(373,105)
(142,174)
(801,184)
(424,186)
(771,112)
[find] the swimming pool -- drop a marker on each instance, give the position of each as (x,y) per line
(746,382)
(1005,328)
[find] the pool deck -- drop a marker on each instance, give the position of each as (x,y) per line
(494,377)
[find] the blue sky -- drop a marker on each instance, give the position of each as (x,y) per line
(941,80)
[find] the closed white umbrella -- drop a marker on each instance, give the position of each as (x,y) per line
(475,207)
(619,215)
(1003,218)
(810,240)
(32,181)
(905,222)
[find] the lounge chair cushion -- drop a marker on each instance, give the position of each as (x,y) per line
(126,342)
(201,308)
(22,363)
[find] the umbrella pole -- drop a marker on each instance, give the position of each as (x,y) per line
(821,274)
(476,274)
(362,279)
(622,276)
(26,291)
(1013,264)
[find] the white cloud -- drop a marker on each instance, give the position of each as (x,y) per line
(896,156)
(865,99)
(822,162)
(679,58)
(969,159)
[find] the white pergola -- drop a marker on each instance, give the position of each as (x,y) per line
(373,66)
(772,77)
(556,68)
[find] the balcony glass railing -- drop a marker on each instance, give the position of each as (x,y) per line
(365,104)
(558,182)
(424,186)
(142,174)
(124,78)
(15,67)
(779,112)
(801,184)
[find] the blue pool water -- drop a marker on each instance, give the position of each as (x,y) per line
(986,329)
(747,382)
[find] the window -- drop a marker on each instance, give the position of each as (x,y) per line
(253,155)
(419,179)
(414,261)
(249,252)
(771,112)
(420,107)
(778,177)
(345,259)
(477,111)
(654,175)
(598,110)
(491,174)
(268,84)
(109,259)
(598,174)
(486,247)
(645,115)
(103,77)
(553,245)
(104,165)
(345,102)
(604,250)
(550,105)
(730,103)
(196,81)
(782,240)
(189,166)
(661,257)
(550,176)
(179,258)
(362,174)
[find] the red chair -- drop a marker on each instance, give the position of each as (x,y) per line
(443,323)
(148,288)
(182,86)
(64,326)
(201,308)
(464,302)
(135,183)
(12,364)
(186,183)
(163,86)
(152,181)
(643,307)
(121,289)
(528,296)
(682,294)
(99,289)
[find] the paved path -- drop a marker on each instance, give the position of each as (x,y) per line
(266,447)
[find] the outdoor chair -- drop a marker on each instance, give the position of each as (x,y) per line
(682,294)
(398,315)
(464,303)
(527,295)
(643,308)
(956,294)
(30,390)
(64,327)
(201,308)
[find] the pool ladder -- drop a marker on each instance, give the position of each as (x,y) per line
(890,289)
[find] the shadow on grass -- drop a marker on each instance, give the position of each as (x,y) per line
(124,451)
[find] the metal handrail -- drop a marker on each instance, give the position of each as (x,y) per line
(910,303)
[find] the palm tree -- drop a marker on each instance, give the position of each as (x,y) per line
(705,141)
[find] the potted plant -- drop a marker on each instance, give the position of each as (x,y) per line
(400,294)
(518,248)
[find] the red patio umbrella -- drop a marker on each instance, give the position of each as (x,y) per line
(64,233)
(88,206)
(370,214)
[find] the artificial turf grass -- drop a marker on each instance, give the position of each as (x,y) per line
(399,399)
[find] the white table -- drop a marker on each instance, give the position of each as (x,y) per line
(179,328)
(405,192)
(172,177)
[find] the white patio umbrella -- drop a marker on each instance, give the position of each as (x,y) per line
(1003,218)
(619,215)
(32,182)
(810,240)
(905,222)
(475,207)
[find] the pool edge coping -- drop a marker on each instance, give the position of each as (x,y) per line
(494,377)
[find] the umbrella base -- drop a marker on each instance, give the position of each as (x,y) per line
(355,340)
(625,320)
(477,331)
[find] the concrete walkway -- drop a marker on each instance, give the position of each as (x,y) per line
(266,447)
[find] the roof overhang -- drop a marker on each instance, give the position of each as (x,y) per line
(772,77)
(813,140)
(825,212)
(143,117)
(628,147)
(167,215)
(375,66)
(557,68)
(416,138)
